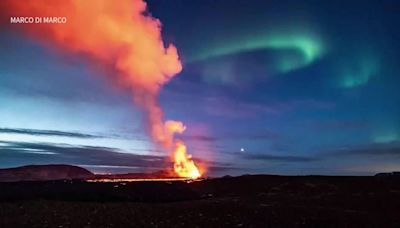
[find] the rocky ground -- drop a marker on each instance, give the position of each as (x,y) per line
(246,201)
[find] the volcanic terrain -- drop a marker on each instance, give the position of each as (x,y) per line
(244,201)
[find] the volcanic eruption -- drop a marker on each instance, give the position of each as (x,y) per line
(125,38)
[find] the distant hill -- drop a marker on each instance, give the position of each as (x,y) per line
(392,174)
(44,173)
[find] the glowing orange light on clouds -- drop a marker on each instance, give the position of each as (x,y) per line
(123,36)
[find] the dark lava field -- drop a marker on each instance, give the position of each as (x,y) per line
(245,201)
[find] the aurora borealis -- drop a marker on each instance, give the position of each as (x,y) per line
(308,88)
(308,48)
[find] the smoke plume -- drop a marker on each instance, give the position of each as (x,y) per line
(117,34)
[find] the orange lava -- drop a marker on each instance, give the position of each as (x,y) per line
(139,179)
(184,166)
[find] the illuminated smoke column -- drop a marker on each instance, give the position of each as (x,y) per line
(124,37)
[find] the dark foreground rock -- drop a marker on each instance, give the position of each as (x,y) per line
(247,201)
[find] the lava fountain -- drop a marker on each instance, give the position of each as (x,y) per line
(184,165)
(125,39)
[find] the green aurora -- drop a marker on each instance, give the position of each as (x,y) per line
(360,72)
(309,45)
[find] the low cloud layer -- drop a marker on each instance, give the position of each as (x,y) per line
(16,153)
(97,159)
(280,158)
(373,149)
(38,132)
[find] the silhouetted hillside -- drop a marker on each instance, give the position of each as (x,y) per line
(44,172)
(392,174)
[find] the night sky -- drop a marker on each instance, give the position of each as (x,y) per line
(282,87)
